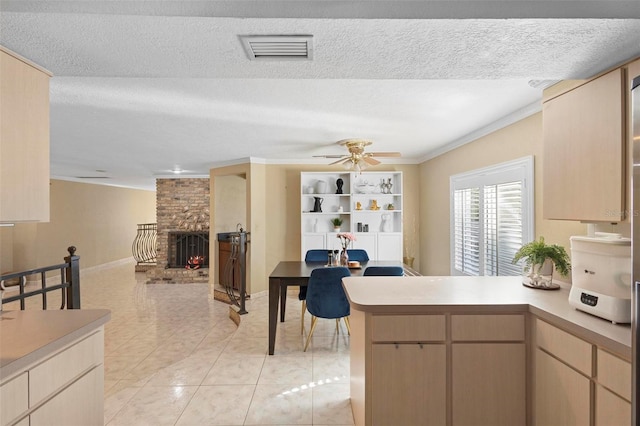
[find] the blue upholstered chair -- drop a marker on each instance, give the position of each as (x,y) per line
(326,297)
(388,271)
(358,255)
(314,255)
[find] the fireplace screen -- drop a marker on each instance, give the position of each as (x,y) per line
(184,245)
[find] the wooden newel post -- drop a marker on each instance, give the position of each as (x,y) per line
(73,278)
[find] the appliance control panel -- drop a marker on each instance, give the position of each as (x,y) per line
(589,299)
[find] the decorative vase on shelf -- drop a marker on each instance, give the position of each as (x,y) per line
(321,187)
(386,223)
(344,258)
(315,225)
(336,229)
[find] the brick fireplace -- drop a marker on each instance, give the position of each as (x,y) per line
(182,213)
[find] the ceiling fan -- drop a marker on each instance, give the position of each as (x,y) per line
(357,159)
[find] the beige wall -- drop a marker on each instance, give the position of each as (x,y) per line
(99,220)
(231,202)
(515,141)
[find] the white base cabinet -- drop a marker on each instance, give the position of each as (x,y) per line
(63,388)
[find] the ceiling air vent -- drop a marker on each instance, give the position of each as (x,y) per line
(280,47)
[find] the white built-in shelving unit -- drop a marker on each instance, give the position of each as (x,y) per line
(356,207)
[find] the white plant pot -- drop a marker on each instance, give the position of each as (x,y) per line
(540,276)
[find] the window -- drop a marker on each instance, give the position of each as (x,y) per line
(491,218)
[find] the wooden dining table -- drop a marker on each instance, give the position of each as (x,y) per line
(297,273)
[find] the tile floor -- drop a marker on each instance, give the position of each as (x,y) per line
(173,357)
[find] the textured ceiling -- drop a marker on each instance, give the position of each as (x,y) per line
(143,87)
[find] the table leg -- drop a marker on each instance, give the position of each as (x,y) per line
(283,301)
(274,294)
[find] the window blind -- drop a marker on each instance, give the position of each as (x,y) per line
(491,216)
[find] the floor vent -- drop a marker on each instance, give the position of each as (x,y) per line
(297,47)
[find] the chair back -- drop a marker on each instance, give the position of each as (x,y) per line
(358,255)
(388,271)
(325,295)
(316,255)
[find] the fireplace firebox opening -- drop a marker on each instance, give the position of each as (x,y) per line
(185,245)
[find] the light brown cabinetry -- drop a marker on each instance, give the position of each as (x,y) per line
(488,367)
(24,140)
(408,383)
(613,392)
(562,395)
(584,167)
(438,369)
(577,383)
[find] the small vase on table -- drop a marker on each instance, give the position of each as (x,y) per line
(344,257)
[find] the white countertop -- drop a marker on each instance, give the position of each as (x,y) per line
(410,295)
(26,336)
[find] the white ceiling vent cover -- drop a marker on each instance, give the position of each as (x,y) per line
(279,47)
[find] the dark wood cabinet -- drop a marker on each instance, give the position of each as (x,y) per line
(224,253)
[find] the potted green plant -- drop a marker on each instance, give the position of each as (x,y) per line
(337,223)
(539,262)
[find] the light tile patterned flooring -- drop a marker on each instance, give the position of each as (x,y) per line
(173,357)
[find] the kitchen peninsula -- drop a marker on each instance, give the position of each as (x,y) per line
(52,367)
(483,351)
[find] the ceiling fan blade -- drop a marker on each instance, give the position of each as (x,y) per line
(341,160)
(371,161)
(330,156)
(384,154)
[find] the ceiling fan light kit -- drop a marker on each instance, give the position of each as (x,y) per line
(357,159)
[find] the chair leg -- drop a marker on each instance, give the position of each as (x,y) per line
(313,327)
(346,321)
(304,308)
(337,325)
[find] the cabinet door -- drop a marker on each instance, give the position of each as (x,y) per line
(562,395)
(611,410)
(390,246)
(14,398)
(24,141)
(408,384)
(489,384)
(583,165)
(312,242)
(367,241)
(80,404)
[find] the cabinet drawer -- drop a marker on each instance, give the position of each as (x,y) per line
(611,409)
(63,367)
(407,328)
(81,404)
(614,373)
(14,398)
(570,349)
(487,327)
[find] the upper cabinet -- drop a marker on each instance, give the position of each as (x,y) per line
(24,140)
(584,167)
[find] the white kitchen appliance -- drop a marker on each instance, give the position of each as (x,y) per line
(601,276)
